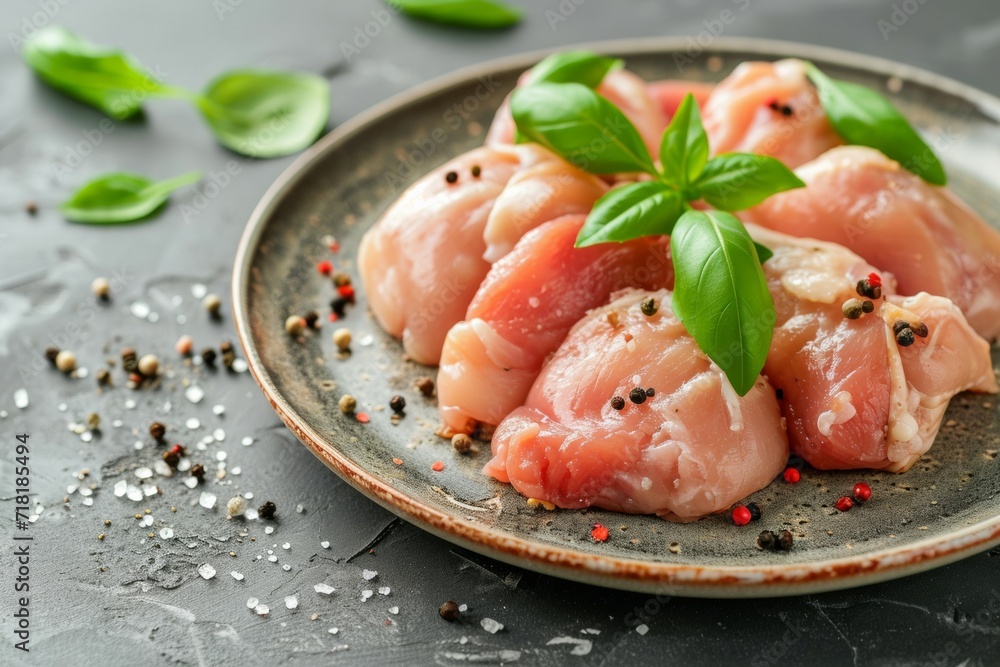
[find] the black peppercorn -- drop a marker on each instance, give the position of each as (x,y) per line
(899,326)
(617,402)
(650,392)
(867,306)
(340,279)
(767,540)
(103,377)
(157,430)
(198,470)
(398,404)
(785,540)
(637,396)
(649,307)
(779,394)
(755,511)
(208,356)
(172,457)
(451,176)
(339,305)
(866,289)
(426,386)
(130,361)
(311,318)
(449,610)
(51,353)
(920,329)
(267,510)
(228,355)
(905,337)
(476,171)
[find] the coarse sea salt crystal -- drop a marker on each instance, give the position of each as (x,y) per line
(251,514)
(368,575)
(220,434)
(324,589)
(238,576)
(463,608)
(268,530)
(133,493)
(166,533)
(384,590)
(206,571)
(130,404)
(240,366)
(86,491)
(149,490)
(121,487)
(190,482)
(221,456)
(21,398)
(325,544)
(642,629)
(88,502)
(262,610)
(365,594)
(144,472)
(333,631)
(394,610)
(491,626)
(147,520)
(199,291)
(207,500)
(286,567)
(286,545)
(291,601)
(273,558)
(252,602)
(193,423)
(218,410)
(194,393)
(62,407)
(247,441)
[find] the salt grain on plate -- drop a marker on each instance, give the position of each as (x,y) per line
(394,610)
(325,544)
(251,514)
(299,509)
(221,456)
(324,589)
(463,608)
(252,602)
(273,559)
(149,490)
(206,571)
(86,491)
(147,520)
(642,629)
(193,424)
(218,410)
(219,434)
(286,545)
(268,530)
(199,291)
(130,404)
(118,423)
(120,488)
(207,500)
(163,469)
(21,398)
(333,631)
(491,626)
(88,502)
(144,472)
(62,407)
(140,309)
(139,444)
(286,567)
(247,441)
(194,393)
(87,436)
(262,610)
(365,594)
(384,590)
(236,471)
(190,482)
(368,575)
(238,576)
(240,366)
(291,601)
(166,533)
(134,493)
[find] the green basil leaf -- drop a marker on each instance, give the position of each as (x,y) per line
(649,208)
(105,78)
(684,147)
(121,197)
(266,114)
(864,117)
(721,295)
(574,67)
(584,128)
(465,13)
(763,252)
(736,181)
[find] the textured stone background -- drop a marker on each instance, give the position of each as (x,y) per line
(134,600)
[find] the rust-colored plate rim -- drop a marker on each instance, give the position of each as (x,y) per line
(621,573)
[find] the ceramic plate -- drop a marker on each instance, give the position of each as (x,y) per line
(946,507)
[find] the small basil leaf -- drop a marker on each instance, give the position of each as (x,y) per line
(266,114)
(649,208)
(105,78)
(735,181)
(584,128)
(721,295)
(582,67)
(862,116)
(465,13)
(684,147)
(121,197)
(763,252)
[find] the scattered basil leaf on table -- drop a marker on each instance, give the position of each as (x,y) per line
(464,13)
(121,197)
(864,117)
(684,147)
(648,208)
(573,121)
(266,114)
(255,113)
(736,181)
(102,77)
(721,295)
(583,67)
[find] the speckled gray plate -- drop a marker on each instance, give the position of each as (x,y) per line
(946,507)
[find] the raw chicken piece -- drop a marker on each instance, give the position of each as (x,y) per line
(925,236)
(738,115)
(524,309)
(693,448)
(852,397)
(423,261)
(669,93)
(622,88)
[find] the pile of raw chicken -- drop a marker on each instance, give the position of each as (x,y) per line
(474,269)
